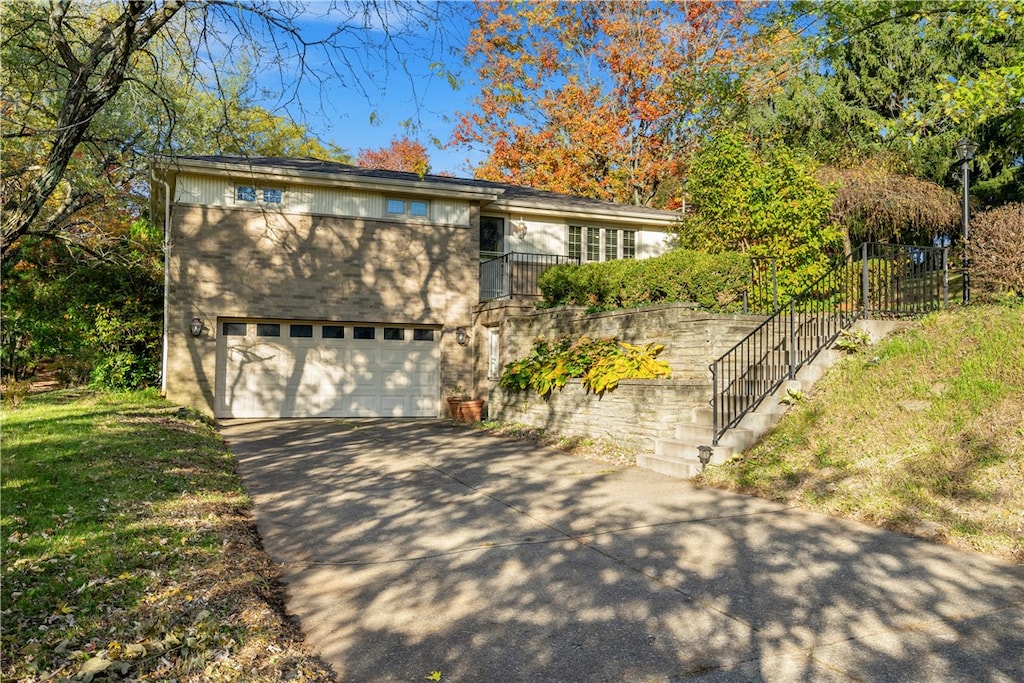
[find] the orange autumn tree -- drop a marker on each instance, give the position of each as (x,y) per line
(601,99)
(403,154)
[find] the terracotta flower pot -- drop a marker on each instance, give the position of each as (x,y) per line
(455,407)
(472,410)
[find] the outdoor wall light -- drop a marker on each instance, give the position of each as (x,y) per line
(196,328)
(519,228)
(461,336)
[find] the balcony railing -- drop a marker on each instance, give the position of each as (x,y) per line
(516,274)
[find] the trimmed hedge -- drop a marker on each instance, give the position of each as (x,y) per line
(714,281)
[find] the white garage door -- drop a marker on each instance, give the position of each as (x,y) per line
(313,369)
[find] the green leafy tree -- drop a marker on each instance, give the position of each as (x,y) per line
(898,82)
(91,89)
(96,320)
(766,203)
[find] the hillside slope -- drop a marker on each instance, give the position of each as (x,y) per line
(922,433)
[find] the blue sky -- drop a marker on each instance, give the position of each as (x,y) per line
(384,97)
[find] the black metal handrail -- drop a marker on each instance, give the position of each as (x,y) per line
(516,274)
(762,295)
(884,280)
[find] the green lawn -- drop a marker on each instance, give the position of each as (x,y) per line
(128,550)
(922,433)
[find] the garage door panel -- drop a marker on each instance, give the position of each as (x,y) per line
(313,376)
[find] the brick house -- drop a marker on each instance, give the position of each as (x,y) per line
(302,288)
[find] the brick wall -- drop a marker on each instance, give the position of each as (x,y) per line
(253,264)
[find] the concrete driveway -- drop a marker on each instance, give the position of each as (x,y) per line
(413,547)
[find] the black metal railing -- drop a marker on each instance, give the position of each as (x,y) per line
(762,295)
(516,274)
(882,280)
(900,280)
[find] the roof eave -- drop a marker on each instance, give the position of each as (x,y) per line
(610,214)
(235,171)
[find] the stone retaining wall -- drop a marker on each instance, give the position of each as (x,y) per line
(637,412)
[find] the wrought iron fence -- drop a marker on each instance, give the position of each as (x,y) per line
(882,280)
(762,296)
(516,274)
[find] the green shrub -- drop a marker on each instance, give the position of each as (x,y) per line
(601,363)
(714,282)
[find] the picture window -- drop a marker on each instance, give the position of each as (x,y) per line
(413,208)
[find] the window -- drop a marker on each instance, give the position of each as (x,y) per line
(249,193)
(575,241)
(600,244)
(414,208)
(423,335)
(300,330)
(332,332)
(593,238)
(394,334)
(364,333)
(234,329)
(611,245)
(629,244)
(268,330)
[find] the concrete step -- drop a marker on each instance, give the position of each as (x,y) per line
(672,467)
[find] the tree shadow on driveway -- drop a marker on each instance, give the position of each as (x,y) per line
(409,547)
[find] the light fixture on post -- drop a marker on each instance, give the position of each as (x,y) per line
(704,455)
(196,328)
(461,336)
(965,150)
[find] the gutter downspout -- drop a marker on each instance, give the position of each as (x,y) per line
(167,275)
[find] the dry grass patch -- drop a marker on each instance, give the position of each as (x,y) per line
(923,434)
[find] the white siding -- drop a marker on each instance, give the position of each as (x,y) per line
(332,202)
(449,211)
(215,191)
(542,237)
(652,243)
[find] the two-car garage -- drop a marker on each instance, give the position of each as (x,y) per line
(274,368)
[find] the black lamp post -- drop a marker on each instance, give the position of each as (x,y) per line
(965,150)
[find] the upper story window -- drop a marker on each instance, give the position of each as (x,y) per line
(414,208)
(601,244)
(266,195)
